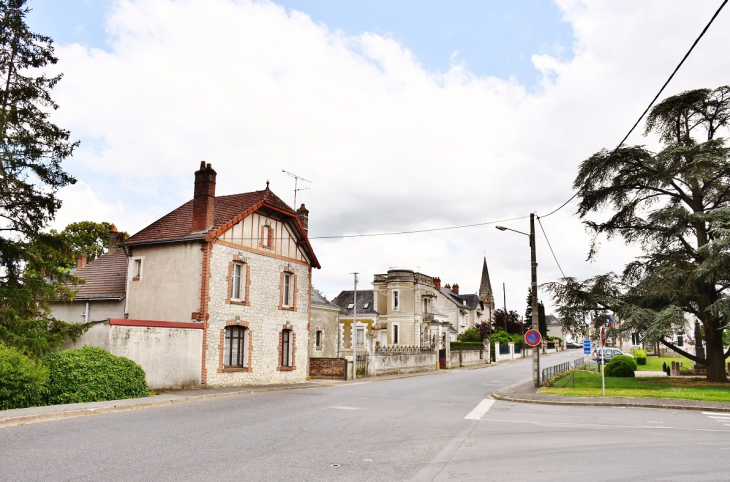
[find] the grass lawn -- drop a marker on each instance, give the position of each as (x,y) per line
(588,384)
(654,363)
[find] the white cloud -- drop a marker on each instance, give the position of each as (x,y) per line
(389,146)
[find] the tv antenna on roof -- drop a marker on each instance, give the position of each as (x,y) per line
(296,182)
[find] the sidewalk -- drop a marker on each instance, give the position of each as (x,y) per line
(526,393)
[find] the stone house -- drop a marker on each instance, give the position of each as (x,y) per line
(367,320)
(217,292)
(324,332)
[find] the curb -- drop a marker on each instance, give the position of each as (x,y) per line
(587,403)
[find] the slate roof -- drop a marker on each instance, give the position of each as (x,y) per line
(106,277)
(472,301)
(344,299)
(319,300)
(227,210)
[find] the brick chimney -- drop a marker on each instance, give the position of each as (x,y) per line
(80,260)
(113,239)
(303,214)
(437,283)
(455,288)
(448,286)
(204,197)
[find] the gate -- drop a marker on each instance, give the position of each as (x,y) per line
(442,359)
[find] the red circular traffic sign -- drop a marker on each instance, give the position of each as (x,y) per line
(533,338)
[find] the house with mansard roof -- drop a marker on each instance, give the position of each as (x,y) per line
(217,292)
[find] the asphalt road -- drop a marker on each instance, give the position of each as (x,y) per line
(435,427)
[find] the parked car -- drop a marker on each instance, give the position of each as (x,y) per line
(570,344)
(605,354)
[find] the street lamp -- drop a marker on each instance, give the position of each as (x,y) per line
(535,322)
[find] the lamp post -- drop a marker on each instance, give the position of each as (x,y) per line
(535,322)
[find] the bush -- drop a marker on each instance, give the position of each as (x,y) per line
(466,345)
(619,367)
(470,335)
(640,356)
(90,374)
(22,380)
(632,363)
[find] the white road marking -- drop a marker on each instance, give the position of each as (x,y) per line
(719,418)
(480,410)
(724,414)
(347,408)
(601,425)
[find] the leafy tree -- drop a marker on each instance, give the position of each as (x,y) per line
(541,321)
(31,151)
(675,205)
(510,321)
(472,334)
(86,237)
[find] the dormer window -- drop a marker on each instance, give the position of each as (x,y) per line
(365,306)
(350,306)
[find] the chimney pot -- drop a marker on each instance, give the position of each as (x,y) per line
(437,283)
(447,286)
(303,214)
(456,288)
(204,197)
(80,260)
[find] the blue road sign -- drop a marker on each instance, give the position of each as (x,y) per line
(586,347)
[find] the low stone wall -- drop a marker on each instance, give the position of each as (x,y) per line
(467,358)
(327,368)
(386,363)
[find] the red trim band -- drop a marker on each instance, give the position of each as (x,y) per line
(156,324)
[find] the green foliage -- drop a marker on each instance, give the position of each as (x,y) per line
(627,359)
(86,237)
(90,374)
(32,149)
(542,323)
(640,356)
(619,366)
(556,338)
(675,205)
(470,335)
(463,345)
(503,337)
(22,380)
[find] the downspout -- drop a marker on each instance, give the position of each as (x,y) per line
(126,285)
(86,313)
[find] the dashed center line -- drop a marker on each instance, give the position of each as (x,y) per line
(480,410)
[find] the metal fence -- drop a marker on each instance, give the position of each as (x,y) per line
(517,349)
(362,364)
(503,349)
(554,371)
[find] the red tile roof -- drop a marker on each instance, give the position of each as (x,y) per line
(106,277)
(228,210)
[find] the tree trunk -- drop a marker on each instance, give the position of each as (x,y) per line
(714,353)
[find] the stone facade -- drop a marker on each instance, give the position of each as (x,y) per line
(263,315)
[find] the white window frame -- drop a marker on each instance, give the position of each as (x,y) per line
(396,300)
(395,333)
(318,339)
(287,355)
(241,295)
(136,268)
(360,329)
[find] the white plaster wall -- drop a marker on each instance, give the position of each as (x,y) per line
(465,358)
(326,320)
(264,318)
(73,311)
(169,289)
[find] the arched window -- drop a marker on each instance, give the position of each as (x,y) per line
(235,354)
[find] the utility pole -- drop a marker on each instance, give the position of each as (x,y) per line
(296,180)
(504,299)
(535,316)
(354,329)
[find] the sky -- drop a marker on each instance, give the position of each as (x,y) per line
(404,115)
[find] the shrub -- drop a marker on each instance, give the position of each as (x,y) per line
(470,335)
(22,380)
(619,367)
(632,363)
(90,374)
(640,356)
(466,345)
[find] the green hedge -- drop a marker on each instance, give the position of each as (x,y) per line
(632,363)
(640,356)
(90,374)
(466,345)
(620,366)
(22,380)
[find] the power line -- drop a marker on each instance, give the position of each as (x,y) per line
(676,69)
(370,235)
(551,248)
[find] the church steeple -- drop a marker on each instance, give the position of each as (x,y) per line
(485,288)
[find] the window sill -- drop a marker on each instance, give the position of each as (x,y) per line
(234,369)
(286,369)
(238,302)
(136,278)
(287,308)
